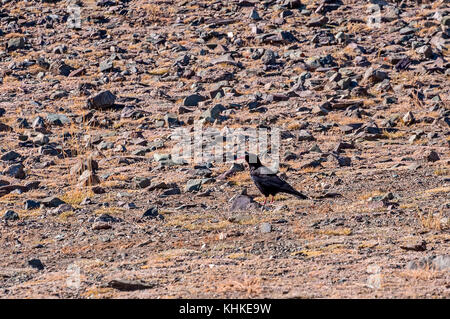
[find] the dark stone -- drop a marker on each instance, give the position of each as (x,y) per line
(143,182)
(170,192)
(36,263)
(10,215)
(16,171)
(343,146)
(193,185)
(60,68)
(5,128)
(52,202)
(304,135)
(10,156)
(106,218)
(268,57)
(432,156)
(403,64)
(16,43)
(31,204)
(318,22)
(193,100)
(102,100)
(213,113)
(3,183)
(339,160)
(125,285)
(33,185)
(152,213)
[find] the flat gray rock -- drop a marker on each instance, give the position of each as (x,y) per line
(441,262)
(244,202)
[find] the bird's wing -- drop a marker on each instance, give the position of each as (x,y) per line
(268,179)
(268,182)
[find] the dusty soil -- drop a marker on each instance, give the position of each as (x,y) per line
(339,89)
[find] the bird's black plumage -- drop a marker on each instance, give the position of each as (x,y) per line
(267,181)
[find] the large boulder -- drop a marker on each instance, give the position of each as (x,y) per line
(103,100)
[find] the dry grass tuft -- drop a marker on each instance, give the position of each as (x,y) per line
(433,221)
(248,286)
(76,196)
(336,232)
(394,135)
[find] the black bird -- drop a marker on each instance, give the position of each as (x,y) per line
(267,181)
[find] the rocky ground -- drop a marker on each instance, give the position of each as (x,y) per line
(93,206)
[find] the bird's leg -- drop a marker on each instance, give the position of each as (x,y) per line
(271,200)
(264,204)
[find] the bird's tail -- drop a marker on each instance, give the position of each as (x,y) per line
(291,190)
(296,193)
(300,195)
